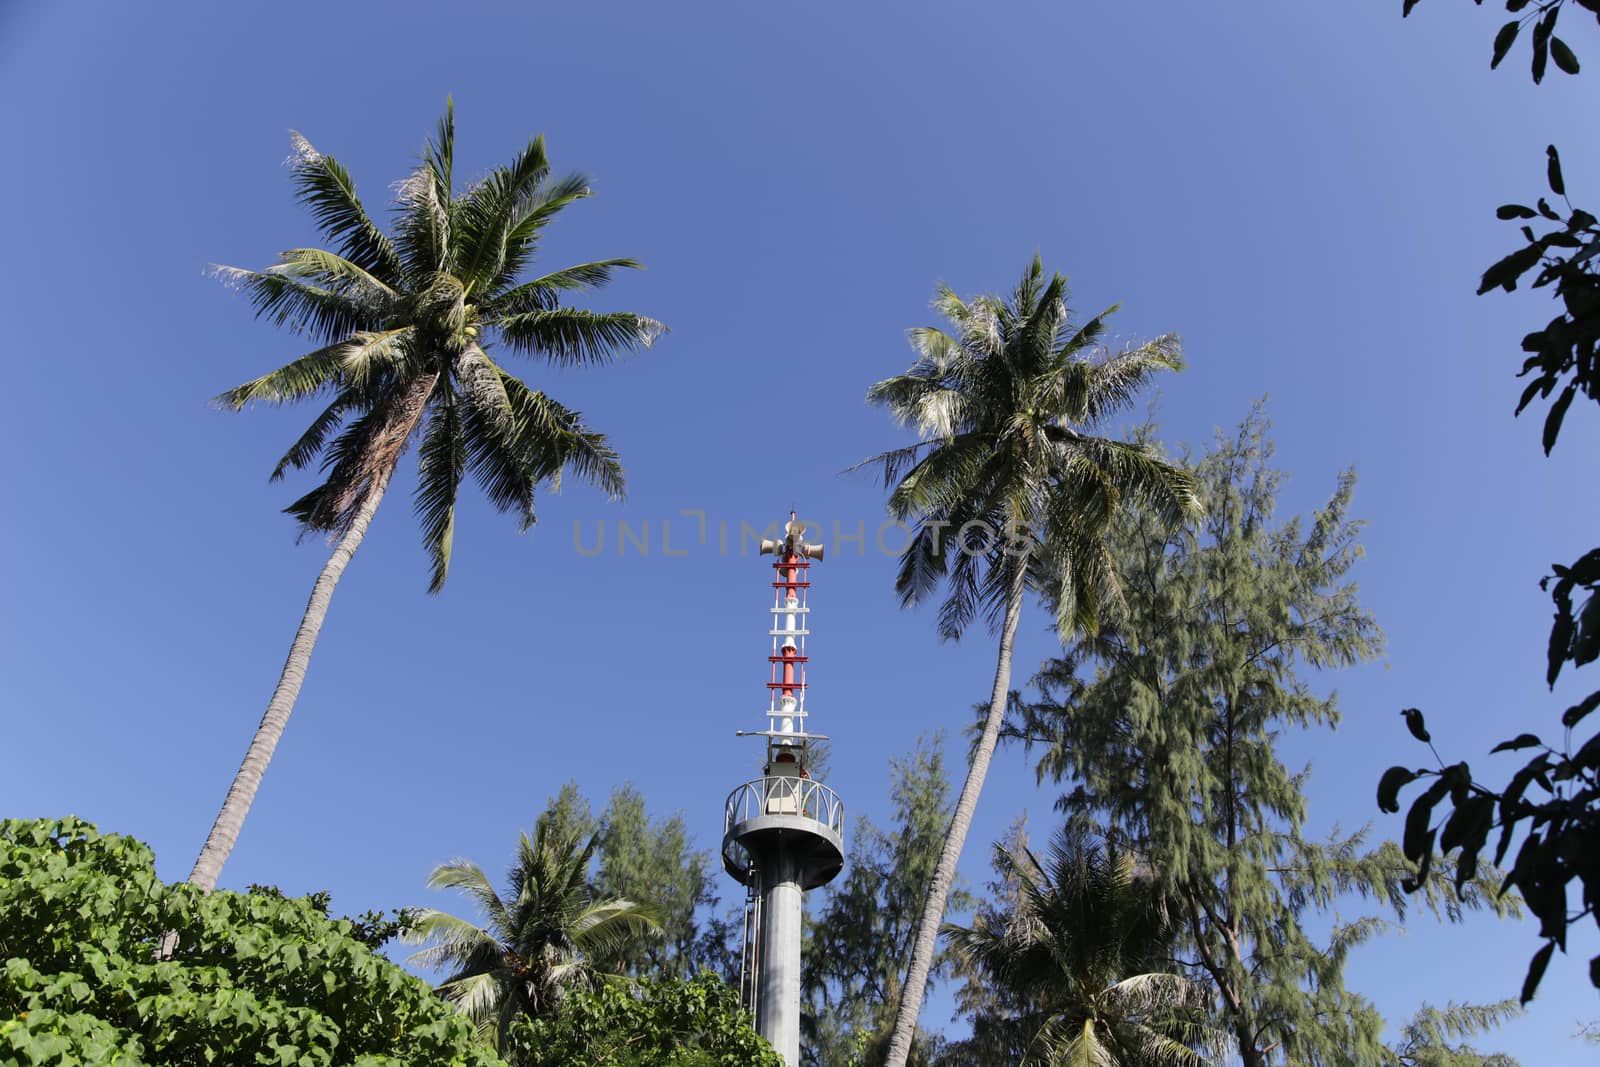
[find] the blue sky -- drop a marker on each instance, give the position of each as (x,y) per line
(1304,192)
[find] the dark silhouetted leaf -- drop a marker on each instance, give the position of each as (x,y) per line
(1536,966)
(1563,56)
(1574,715)
(1389,787)
(1416,724)
(1505,273)
(1586,646)
(1558,411)
(1417,841)
(1503,42)
(1406,6)
(1514,211)
(1411,885)
(1560,643)
(1536,386)
(1520,741)
(1541,44)
(1589,755)
(1553,171)
(1468,824)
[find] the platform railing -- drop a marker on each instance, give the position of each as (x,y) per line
(785,796)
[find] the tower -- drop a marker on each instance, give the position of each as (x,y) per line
(783,833)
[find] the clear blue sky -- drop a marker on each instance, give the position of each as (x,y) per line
(1304,192)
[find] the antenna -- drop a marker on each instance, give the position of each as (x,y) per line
(783,833)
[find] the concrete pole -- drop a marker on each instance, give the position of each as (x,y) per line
(778,1009)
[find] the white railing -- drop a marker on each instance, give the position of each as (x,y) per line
(785,796)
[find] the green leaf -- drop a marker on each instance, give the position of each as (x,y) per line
(1520,741)
(1504,40)
(1553,171)
(1563,56)
(1536,966)
(1389,787)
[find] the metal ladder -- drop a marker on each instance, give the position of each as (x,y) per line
(750,952)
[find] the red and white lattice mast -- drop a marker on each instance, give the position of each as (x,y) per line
(782,832)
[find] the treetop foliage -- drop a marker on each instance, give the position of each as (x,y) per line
(1165,726)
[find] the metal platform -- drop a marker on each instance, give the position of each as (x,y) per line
(805,816)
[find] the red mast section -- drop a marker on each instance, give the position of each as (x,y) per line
(786,733)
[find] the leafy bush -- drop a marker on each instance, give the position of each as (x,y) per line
(665,1023)
(252,977)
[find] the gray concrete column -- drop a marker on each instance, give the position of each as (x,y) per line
(782,912)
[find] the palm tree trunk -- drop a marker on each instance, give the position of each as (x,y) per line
(905,1022)
(242,793)
(383,452)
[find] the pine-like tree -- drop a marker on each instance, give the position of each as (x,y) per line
(1166,724)
(654,862)
(855,947)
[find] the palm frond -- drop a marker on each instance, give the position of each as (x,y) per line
(494,433)
(441,460)
(936,410)
(568,336)
(304,450)
(451,941)
(335,273)
(1136,472)
(477,996)
(367,354)
(468,877)
(489,211)
(320,312)
(1114,383)
(295,380)
(544,294)
(423,230)
(529,218)
(326,188)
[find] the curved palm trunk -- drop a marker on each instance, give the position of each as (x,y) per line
(905,1021)
(383,453)
(242,793)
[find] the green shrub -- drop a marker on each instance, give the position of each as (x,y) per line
(255,978)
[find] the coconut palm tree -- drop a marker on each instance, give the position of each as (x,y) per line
(1009,489)
(1084,960)
(405,327)
(536,943)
